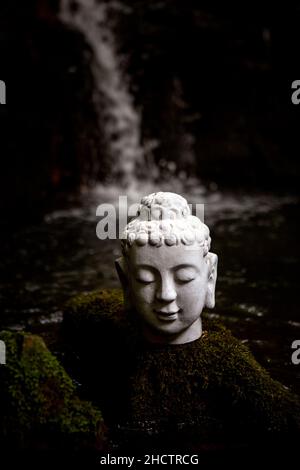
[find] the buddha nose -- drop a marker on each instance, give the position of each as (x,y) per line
(166,291)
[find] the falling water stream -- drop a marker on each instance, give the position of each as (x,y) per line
(113,103)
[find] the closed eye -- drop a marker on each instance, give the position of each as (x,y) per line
(185,275)
(184,281)
(144,276)
(145,281)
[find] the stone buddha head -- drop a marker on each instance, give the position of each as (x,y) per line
(167,273)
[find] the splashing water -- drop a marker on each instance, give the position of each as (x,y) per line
(112,100)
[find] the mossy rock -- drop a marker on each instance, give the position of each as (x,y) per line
(94,311)
(38,403)
(208,392)
(100,314)
(101,338)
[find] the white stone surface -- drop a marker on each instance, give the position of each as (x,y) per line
(167,272)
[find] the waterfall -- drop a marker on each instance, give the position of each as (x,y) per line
(118,119)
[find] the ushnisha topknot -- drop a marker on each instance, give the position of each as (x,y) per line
(165,218)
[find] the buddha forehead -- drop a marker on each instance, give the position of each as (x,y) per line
(166,257)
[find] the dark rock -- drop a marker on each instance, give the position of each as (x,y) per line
(39,408)
(204,394)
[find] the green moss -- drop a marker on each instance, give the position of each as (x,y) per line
(213,387)
(108,302)
(213,383)
(38,402)
(88,315)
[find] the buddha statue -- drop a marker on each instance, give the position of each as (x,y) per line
(167,272)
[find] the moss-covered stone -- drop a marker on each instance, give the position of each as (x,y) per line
(210,390)
(94,311)
(38,402)
(103,339)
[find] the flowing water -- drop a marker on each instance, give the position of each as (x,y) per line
(112,101)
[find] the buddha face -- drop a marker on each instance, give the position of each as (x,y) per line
(169,287)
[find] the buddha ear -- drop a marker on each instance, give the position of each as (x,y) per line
(121,268)
(212,261)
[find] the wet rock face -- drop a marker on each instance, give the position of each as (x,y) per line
(50,109)
(38,404)
(221,90)
(207,392)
